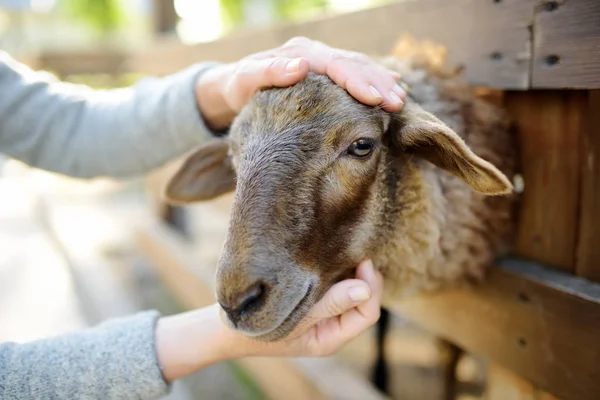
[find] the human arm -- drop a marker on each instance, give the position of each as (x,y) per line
(85,133)
(115,360)
(74,130)
(191,341)
(120,359)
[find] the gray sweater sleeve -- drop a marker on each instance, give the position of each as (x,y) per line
(115,360)
(74,130)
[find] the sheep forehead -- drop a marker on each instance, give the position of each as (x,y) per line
(315,105)
(314,112)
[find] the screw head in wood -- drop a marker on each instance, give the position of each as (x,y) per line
(496,56)
(552,59)
(551,6)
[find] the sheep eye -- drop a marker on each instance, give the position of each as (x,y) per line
(361,148)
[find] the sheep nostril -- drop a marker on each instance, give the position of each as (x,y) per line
(250,300)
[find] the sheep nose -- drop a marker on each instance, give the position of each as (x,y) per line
(245,302)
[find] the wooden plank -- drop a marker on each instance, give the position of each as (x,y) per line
(567,44)
(588,255)
(550,127)
(177,261)
(83,62)
(505,385)
(492,40)
(538,322)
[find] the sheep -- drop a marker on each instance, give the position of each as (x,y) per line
(322,181)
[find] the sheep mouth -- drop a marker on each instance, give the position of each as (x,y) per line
(299,306)
(290,322)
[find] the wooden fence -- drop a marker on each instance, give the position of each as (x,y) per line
(537,317)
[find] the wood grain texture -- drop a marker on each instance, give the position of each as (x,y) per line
(505,385)
(179,263)
(492,40)
(550,128)
(64,64)
(540,323)
(569,30)
(588,253)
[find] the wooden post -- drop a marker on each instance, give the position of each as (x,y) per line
(550,127)
(588,251)
(451,355)
(165,17)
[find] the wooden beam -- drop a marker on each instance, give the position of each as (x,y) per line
(588,252)
(492,40)
(505,385)
(180,267)
(550,127)
(567,44)
(81,62)
(164,16)
(540,323)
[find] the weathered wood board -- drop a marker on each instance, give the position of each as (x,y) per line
(566,36)
(505,385)
(550,127)
(588,254)
(492,40)
(540,323)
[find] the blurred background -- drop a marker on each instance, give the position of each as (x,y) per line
(38,25)
(68,257)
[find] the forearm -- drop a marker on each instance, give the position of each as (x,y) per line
(76,131)
(188,342)
(191,341)
(116,360)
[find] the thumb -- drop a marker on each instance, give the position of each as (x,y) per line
(342,297)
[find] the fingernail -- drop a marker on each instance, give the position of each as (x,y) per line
(375,92)
(399,91)
(359,293)
(395,98)
(293,66)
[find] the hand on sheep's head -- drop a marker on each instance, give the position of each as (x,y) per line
(224,90)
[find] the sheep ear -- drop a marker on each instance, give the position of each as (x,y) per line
(425,136)
(205,174)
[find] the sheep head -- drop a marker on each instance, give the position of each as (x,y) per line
(311,167)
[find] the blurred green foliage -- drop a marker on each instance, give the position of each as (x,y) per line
(108,15)
(289,9)
(233,12)
(285,10)
(102,15)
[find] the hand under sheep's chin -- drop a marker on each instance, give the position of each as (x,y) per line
(296,320)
